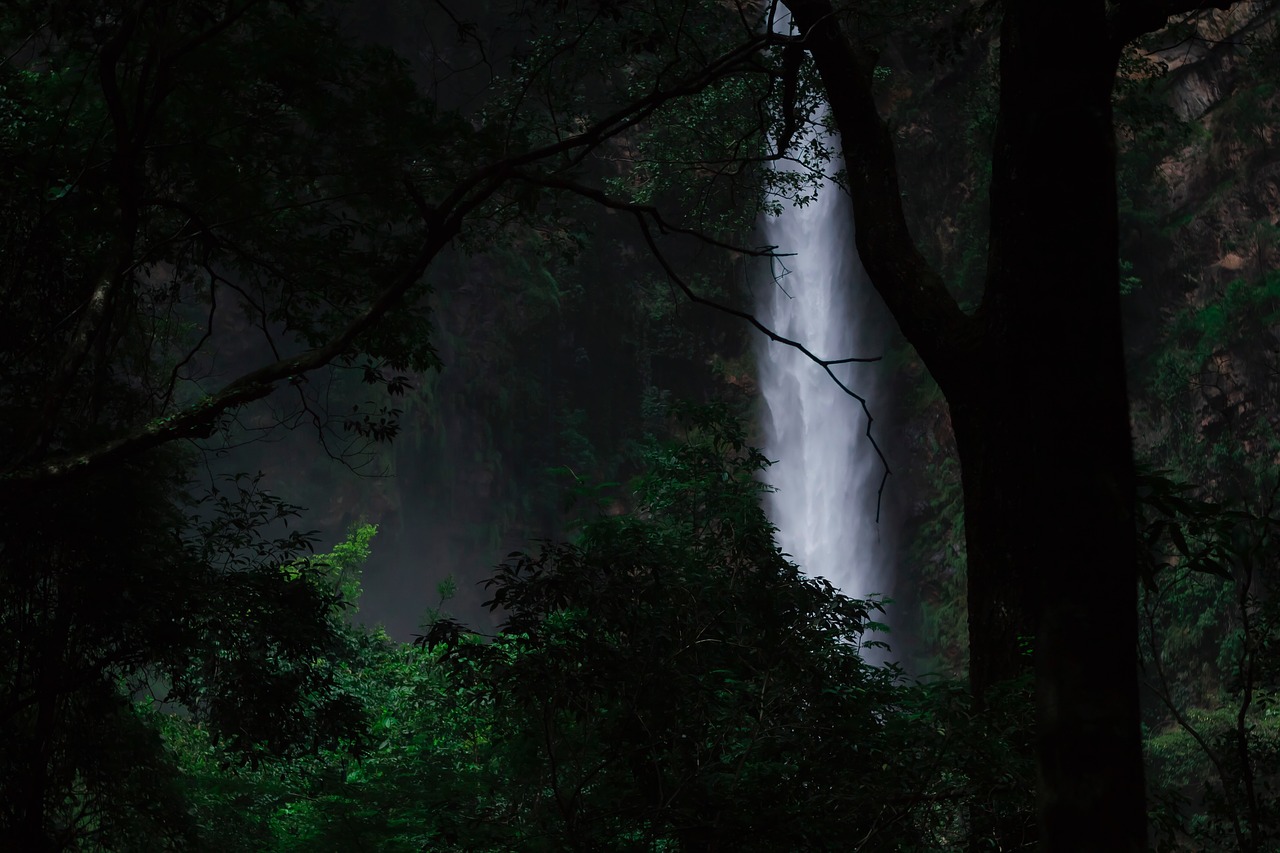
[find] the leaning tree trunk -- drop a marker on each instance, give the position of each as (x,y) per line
(1036,383)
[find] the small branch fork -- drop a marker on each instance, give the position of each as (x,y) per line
(825,364)
(647,219)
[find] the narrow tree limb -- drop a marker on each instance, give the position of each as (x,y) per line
(647,213)
(915,294)
(201,418)
(444,220)
(674,276)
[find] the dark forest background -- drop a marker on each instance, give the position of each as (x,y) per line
(377,475)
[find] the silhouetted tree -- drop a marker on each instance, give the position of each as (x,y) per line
(1035,380)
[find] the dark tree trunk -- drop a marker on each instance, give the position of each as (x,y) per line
(1036,383)
(1052,512)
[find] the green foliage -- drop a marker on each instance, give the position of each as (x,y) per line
(662,678)
(396,781)
(1201,378)
(1210,639)
(1128,281)
(103,608)
(86,602)
(287,201)
(1242,310)
(1148,130)
(338,572)
(183,178)
(666,681)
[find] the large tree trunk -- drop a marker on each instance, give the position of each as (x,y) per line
(1036,384)
(1057,493)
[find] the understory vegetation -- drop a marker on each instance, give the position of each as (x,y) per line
(666,680)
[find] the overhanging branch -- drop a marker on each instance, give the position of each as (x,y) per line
(647,214)
(826,364)
(914,293)
(444,219)
(201,418)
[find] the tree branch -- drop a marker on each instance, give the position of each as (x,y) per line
(647,213)
(826,364)
(915,294)
(444,221)
(201,418)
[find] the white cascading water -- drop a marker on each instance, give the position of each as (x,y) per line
(826,473)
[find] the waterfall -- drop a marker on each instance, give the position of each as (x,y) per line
(827,473)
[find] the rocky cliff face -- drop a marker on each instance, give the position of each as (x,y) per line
(1205,248)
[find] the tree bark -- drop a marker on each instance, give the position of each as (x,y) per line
(1064,484)
(1036,384)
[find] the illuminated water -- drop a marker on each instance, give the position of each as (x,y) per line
(826,472)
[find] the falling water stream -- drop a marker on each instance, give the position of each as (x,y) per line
(827,473)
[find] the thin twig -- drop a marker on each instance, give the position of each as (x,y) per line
(825,364)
